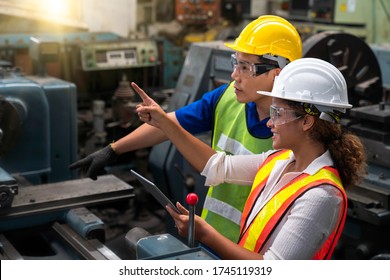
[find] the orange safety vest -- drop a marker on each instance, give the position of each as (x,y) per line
(257,233)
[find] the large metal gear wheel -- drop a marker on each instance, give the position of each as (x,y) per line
(354,58)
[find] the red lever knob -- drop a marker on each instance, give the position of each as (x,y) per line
(192,198)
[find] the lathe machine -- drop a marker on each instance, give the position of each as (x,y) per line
(43,207)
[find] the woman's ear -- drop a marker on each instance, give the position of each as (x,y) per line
(308,122)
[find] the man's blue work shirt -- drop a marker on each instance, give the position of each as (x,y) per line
(197,117)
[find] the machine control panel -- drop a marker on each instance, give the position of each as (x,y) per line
(114,55)
(198,11)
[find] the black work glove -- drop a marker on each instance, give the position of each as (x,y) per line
(95,162)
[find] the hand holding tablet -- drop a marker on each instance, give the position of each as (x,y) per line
(155,191)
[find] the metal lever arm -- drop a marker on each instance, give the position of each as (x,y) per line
(191,199)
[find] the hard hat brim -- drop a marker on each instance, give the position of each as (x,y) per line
(324,104)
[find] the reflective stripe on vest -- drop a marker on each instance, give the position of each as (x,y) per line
(255,236)
(223,209)
(232,146)
(224,203)
(262,177)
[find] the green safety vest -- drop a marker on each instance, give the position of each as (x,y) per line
(224,203)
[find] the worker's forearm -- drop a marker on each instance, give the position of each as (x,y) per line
(144,136)
(194,150)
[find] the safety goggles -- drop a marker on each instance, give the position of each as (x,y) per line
(281,116)
(250,69)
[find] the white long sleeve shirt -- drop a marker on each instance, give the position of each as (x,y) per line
(310,220)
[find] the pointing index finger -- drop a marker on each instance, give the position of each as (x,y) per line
(141,93)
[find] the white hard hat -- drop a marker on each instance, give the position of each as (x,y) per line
(312,81)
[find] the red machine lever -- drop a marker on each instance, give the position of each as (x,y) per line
(192,200)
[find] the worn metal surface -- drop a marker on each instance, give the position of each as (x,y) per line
(91,249)
(40,199)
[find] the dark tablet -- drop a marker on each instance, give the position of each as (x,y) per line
(155,191)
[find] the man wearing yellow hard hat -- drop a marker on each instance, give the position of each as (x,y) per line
(235,113)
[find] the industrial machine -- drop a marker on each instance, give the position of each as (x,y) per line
(166,246)
(382,53)
(39,134)
(46,212)
(368,224)
(43,212)
(199,12)
(367,228)
(42,133)
(109,55)
(93,62)
(52,221)
(368,20)
(354,58)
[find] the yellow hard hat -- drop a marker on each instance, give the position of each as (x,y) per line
(270,36)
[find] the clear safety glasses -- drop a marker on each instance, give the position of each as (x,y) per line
(281,116)
(250,69)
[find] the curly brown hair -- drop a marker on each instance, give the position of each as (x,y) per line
(346,148)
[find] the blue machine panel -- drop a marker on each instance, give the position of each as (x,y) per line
(30,154)
(382,53)
(46,139)
(62,99)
